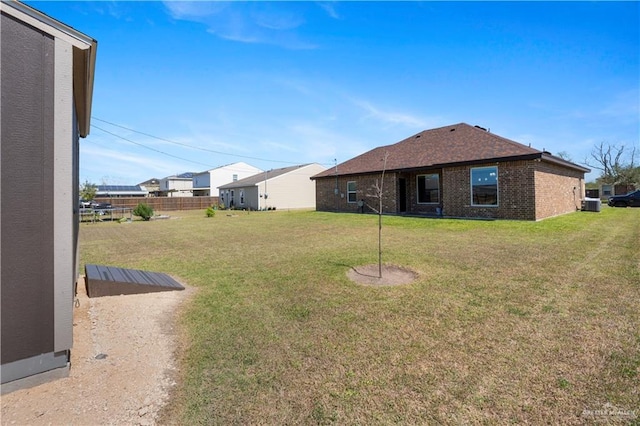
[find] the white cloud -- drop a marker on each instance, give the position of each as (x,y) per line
(396,118)
(109,8)
(122,168)
(191,10)
(624,106)
(275,146)
(246,22)
(295,85)
(323,144)
(330,8)
(268,17)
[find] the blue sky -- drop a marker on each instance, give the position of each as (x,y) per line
(195,85)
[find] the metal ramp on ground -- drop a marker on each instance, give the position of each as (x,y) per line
(113,281)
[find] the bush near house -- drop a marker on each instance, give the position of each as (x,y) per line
(144,211)
(210,212)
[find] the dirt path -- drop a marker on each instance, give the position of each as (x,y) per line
(122,364)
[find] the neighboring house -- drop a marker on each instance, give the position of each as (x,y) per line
(115,191)
(206,183)
(152,186)
(47,89)
(457,171)
(177,186)
(609,190)
(286,188)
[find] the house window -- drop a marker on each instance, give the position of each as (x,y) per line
(484,186)
(241,197)
(428,188)
(607,190)
(351,192)
(235,178)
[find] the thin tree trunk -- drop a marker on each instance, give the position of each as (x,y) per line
(380,244)
(380,193)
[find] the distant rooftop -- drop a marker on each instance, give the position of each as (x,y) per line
(118,188)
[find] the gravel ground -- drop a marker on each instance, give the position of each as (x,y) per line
(122,365)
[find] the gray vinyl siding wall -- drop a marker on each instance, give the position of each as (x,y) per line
(27,192)
(39,181)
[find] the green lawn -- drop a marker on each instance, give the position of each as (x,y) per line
(508,322)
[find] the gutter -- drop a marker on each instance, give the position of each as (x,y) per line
(559,161)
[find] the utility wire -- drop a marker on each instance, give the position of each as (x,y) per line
(181,144)
(149,148)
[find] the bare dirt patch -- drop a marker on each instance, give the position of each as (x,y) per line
(122,364)
(391,275)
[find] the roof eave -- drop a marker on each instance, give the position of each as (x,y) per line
(524,157)
(84,64)
(84,55)
(559,161)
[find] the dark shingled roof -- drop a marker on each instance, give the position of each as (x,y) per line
(449,145)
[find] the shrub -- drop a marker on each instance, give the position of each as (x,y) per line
(144,211)
(210,212)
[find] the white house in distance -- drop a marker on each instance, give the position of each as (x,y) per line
(206,183)
(285,188)
(177,185)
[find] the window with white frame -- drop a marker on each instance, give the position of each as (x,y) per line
(484,186)
(241,197)
(351,192)
(428,188)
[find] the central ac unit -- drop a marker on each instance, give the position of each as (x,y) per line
(591,205)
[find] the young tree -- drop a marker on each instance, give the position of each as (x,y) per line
(378,189)
(88,191)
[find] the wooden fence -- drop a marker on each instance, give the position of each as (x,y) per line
(159,204)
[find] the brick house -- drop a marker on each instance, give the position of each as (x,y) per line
(455,171)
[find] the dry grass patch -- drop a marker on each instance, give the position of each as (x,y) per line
(507,322)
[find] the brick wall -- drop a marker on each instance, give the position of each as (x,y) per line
(516,192)
(527,190)
(327,200)
(558,190)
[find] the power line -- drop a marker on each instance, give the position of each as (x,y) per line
(149,148)
(181,144)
